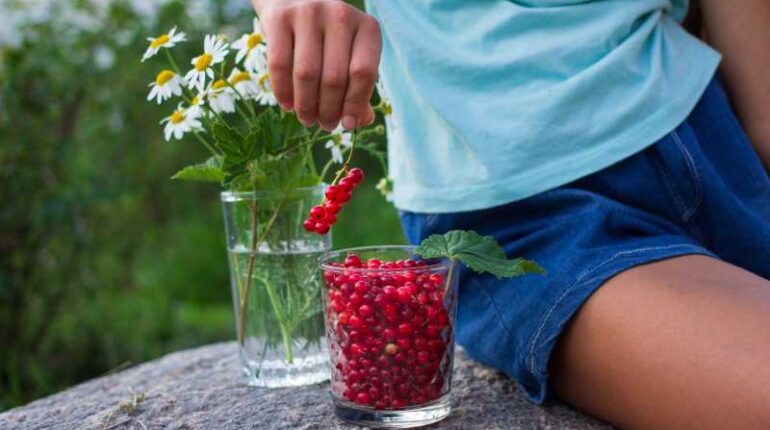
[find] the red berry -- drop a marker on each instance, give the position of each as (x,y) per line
(419,343)
(436,278)
(390,293)
(352,260)
(356,350)
(343,318)
(355,321)
(346,185)
(361,287)
(362,398)
(366,310)
(404,343)
(390,309)
(331,193)
(318,213)
(309,225)
(404,294)
(356,174)
(332,207)
(405,329)
(343,196)
(322,227)
(330,218)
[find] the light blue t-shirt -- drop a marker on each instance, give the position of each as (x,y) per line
(497,100)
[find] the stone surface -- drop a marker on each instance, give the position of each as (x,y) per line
(201,389)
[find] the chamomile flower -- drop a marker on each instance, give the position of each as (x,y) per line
(245,83)
(339,142)
(215,49)
(180,122)
(265,97)
(167,40)
(221,97)
(385,106)
(385,187)
(196,105)
(166,84)
(251,50)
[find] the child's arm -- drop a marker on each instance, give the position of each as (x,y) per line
(322,58)
(740,30)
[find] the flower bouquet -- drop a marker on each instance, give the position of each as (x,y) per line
(278,209)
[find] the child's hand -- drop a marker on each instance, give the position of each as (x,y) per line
(323,57)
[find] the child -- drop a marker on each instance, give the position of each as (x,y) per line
(593,137)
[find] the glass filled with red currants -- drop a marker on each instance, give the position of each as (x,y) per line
(390,325)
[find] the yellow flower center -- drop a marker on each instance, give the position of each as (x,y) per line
(254,40)
(178,116)
(160,41)
(163,77)
(240,77)
(263,81)
(218,85)
(195,100)
(203,62)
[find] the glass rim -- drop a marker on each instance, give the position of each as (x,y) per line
(231,196)
(325,259)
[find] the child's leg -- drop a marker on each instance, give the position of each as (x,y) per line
(679,344)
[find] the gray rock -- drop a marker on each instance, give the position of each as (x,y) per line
(201,389)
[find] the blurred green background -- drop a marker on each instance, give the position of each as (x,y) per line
(104,261)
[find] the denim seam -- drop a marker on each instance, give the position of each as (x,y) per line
(430,221)
(678,200)
(622,255)
(687,215)
(499,315)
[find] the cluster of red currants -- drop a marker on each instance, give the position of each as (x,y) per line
(390,333)
(322,217)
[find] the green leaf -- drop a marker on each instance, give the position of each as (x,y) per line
(480,253)
(276,131)
(210,171)
(238,150)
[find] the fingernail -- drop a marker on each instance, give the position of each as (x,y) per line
(288,106)
(349,122)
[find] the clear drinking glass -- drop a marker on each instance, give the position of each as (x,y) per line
(276,286)
(390,326)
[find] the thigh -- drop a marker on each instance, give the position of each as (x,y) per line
(682,343)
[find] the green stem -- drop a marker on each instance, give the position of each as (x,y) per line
(280,318)
(244,299)
(172,61)
(452,268)
(240,97)
(205,143)
(255,244)
(287,345)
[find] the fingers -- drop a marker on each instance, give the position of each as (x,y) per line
(280,53)
(362,72)
(336,57)
(308,57)
(322,60)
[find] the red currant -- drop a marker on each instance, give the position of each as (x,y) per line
(318,213)
(356,174)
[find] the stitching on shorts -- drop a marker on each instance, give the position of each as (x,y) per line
(578,283)
(430,221)
(695,176)
(657,159)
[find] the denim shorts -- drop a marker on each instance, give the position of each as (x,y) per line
(700,190)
